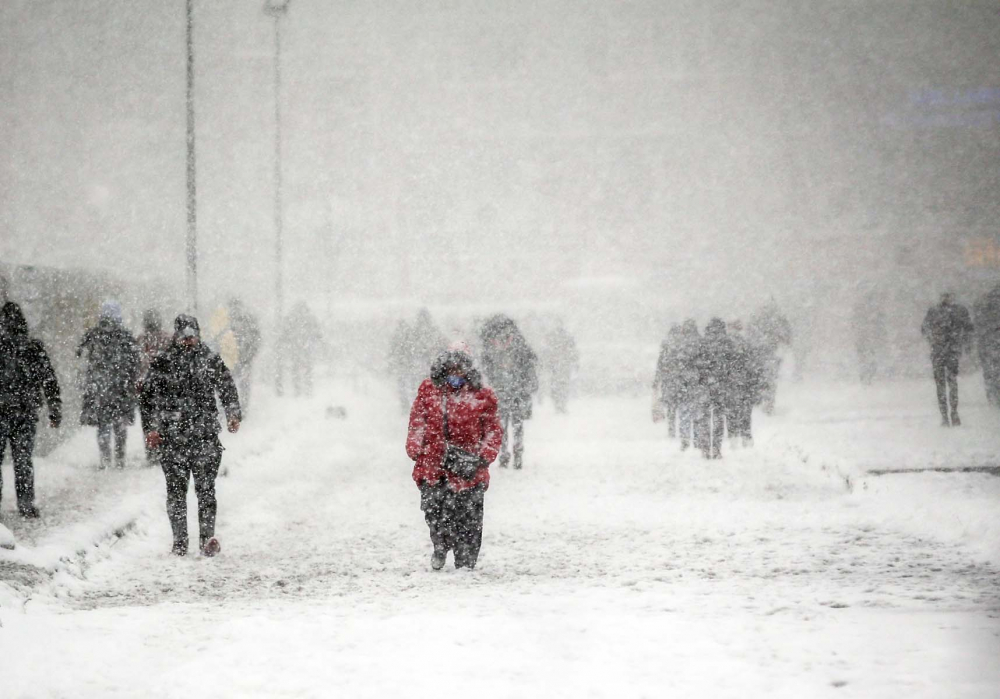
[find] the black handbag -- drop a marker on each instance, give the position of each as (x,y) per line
(462,463)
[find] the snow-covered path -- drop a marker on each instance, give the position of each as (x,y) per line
(613,565)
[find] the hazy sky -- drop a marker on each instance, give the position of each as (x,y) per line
(712,153)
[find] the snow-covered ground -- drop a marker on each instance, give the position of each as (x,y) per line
(613,565)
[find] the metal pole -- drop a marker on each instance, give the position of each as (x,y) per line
(192,210)
(278,282)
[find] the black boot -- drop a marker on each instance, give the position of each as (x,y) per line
(179,528)
(438,557)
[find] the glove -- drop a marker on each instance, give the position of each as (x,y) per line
(234,425)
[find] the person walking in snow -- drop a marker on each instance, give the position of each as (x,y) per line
(109,397)
(767,331)
(179,396)
(948,328)
(686,388)
(152,343)
(26,379)
(868,324)
(986,318)
(454,435)
(561,361)
(510,366)
(246,331)
(298,346)
(744,386)
(665,381)
(716,356)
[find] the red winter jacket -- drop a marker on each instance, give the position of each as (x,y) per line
(473,425)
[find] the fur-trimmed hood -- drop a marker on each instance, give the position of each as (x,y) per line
(459,360)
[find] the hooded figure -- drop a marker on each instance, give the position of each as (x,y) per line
(454,435)
(510,366)
(26,379)
(109,395)
(179,399)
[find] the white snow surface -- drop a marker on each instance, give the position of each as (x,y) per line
(612,565)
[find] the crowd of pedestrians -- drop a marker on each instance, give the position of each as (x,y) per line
(706,386)
(467,408)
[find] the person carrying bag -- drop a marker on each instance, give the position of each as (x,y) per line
(454,435)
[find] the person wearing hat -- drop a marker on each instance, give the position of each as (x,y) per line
(26,378)
(454,435)
(179,400)
(109,396)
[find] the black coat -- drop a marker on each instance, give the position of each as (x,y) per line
(112,371)
(178,396)
(746,373)
(715,361)
(948,328)
(510,367)
(26,378)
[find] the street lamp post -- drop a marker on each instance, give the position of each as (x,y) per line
(277,9)
(192,210)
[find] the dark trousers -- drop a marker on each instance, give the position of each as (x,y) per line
(104,430)
(512,422)
(946,381)
(709,428)
(739,419)
(19,431)
(671,407)
(455,521)
(686,410)
(200,459)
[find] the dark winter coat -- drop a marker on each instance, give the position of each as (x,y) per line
(152,344)
(112,371)
(26,374)
(178,395)
(686,376)
(666,382)
(510,365)
(948,327)
(473,425)
(715,361)
(746,377)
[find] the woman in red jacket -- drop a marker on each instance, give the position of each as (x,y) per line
(453,437)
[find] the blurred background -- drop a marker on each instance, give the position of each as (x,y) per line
(620,165)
